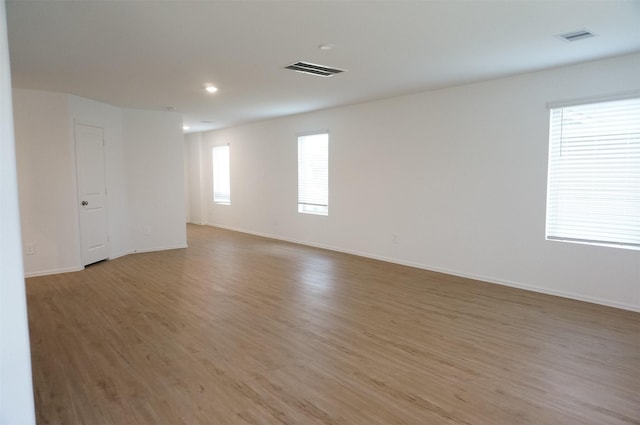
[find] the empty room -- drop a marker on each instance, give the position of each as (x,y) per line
(320,212)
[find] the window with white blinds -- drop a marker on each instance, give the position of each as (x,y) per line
(221,176)
(313,174)
(593,193)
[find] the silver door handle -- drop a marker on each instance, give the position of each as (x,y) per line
(85,203)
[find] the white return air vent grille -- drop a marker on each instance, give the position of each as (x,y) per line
(576,35)
(314,69)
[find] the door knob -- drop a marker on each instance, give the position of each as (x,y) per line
(84,203)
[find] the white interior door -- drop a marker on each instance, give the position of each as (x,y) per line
(90,166)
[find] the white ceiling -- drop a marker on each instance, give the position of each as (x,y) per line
(159,54)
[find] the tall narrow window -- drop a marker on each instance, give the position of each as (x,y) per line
(221,179)
(313,174)
(593,191)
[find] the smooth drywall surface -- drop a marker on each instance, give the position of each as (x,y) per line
(452,180)
(90,112)
(16,391)
(46,181)
(187,206)
(154,166)
(194,175)
(145,178)
(47,176)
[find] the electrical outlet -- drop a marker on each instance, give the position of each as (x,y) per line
(30,249)
(394,238)
(147,230)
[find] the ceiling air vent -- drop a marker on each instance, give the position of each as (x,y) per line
(576,35)
(314,69)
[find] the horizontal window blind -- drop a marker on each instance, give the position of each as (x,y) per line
(313,174)
(221,176)
(593,191)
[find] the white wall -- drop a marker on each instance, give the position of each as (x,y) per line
(195,176)
(16,392)
(155,179)
(86,111)
(144,174)
(185,158)
(47,181)
(459,174)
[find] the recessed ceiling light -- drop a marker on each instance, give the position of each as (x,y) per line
(185,127)
(210,88)
(326,47)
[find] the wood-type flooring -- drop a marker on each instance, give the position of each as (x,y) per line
(239,329)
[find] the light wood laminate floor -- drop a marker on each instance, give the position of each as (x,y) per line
(239,329)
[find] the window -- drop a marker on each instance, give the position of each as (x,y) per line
(313,174)
(221,179)
(593,193)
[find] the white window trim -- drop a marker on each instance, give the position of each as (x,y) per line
(577,211)
(222,196)
(316,204)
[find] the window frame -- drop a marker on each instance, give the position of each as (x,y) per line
(599,147)
(221,196)
(309,203)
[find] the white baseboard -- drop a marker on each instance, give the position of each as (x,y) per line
(159,248)
(488,279)
(111,257)
(120,254)
(52,271)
